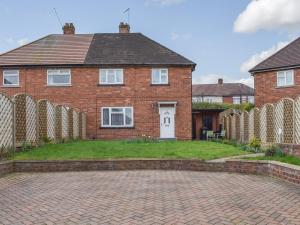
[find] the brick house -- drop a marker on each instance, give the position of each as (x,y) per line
(128,84)
(208,118)
(278,76)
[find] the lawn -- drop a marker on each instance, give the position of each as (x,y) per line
(126,149)
(286,159)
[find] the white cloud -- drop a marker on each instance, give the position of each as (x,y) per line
(268,15)
(259,57)
(213,79)
(165,2)
(175,36)
(22,41)
(14,42)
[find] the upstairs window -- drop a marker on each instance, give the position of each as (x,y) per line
(117,117)
(159,76)
(111,76)
(285,78)
(59,77)
(236,100)
(11,78)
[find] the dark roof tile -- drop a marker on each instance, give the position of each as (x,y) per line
(289,56)
(225,89)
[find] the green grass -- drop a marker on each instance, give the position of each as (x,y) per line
(125,149)
(286,159)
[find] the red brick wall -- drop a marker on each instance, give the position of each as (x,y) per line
(227,99)
(86,95)
(266,90)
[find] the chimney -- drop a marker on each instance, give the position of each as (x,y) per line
(220,81)
(69,28)
(124,28)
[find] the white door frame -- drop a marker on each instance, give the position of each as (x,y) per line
(167,124)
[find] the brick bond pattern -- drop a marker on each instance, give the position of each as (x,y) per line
(147,197)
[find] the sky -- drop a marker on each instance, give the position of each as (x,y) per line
(225,38)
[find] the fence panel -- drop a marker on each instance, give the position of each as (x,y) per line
(254,124)
(82,125)
(297,120)
(26,119)
(61,123)
(46,113)
(233,127)
(228,126)
(267,124)
(244,127)
(237,126)
(6,124)
(284,121)
(75,124)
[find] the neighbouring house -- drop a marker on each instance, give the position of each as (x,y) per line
(206,116)
(128,84)
(278,76)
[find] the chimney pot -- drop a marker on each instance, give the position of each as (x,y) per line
(124,28)
(68,28)
(220,81)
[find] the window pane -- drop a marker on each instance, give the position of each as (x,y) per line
(103,76)
(11,80)
(111,76)
(280,81)
(128,116)
(105,116)
(117,110)
(236,100)
(289,78)
(117,119)
(251,99)
(155,76)
(59,79)
(164,78)
(119,76)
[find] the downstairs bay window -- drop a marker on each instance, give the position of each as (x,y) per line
(117,116)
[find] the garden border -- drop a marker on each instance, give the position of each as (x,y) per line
(287,172)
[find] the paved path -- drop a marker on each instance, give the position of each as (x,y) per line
(147,197)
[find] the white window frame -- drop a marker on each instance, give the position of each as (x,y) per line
(160,82)
(285,78)
(115,76)
(59,72)
(124,115)
(11,75)
(236,97)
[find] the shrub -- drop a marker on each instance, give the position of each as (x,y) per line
(255,145)
(274,150)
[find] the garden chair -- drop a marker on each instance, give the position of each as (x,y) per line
(209,135)
(221,135)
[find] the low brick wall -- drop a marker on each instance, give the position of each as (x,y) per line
(6,167)
(291,149)
(283,171)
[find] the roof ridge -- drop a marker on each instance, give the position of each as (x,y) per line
(274,54)
(22,46)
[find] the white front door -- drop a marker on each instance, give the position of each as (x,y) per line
(167,122)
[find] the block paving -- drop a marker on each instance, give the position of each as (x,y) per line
(147,197)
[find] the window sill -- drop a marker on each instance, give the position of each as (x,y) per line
(287,86)
(107,85)
(11,86)
(56,85)
(117,127)
(160,84)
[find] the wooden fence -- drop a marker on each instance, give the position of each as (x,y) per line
(277,123)
(26,121)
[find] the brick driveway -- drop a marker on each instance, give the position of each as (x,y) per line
(147,197)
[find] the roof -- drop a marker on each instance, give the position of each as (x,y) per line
(289,56)
(225,89)
(93,49)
